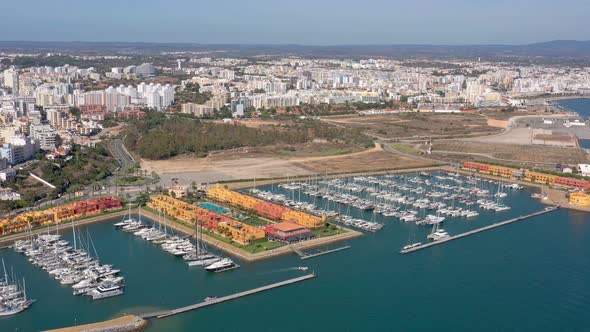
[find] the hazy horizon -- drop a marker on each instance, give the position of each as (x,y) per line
(285,44)
(305,22)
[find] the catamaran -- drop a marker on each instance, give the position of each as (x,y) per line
(438,234)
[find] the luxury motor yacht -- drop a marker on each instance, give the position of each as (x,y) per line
(222,265)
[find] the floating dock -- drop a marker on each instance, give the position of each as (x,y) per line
(167,313)
(479,230)
(304,255)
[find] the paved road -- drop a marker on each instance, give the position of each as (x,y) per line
(120,152)
(388,148)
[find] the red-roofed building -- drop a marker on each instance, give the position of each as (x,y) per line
(131,114)
(288,232)
(572,182)
(94,112)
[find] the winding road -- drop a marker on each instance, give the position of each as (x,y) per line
(120,152)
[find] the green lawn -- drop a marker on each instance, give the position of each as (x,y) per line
(255,221)
(130,181)
(406,149)
(261,245)
(328,231)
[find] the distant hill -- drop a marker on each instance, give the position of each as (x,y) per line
(570,49)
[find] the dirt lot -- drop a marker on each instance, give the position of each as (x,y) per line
(417,124)
(513,152)
(371,161)
(500,115)
(251,163)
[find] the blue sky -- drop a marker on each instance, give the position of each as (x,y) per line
(312,22)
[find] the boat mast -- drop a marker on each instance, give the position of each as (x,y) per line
(74,234)
(24,289)
(92,243)
(5,274)
(197,237)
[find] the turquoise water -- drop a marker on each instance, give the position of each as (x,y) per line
(213,207)
(528,276)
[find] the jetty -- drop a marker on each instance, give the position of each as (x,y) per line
(304,255)
(212,301)
(478,230)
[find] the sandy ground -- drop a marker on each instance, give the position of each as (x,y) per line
(125,323)
(497,123)
(513,136)
(204,170)
(229,166)
(513,133)
(512,153)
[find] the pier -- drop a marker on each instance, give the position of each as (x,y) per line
(479,230)
(304,255)
(167,313)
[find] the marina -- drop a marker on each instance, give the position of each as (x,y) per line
(476,231)
(146,264)
(13,295)
(73,265)
(425,199)
(176,245)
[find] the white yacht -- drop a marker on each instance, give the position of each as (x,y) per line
(413,245)
(15,307)
(128,220)
(438,235)
(202,260)
(225,264)
(106,289)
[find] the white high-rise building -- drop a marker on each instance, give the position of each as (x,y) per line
(153,100)
(44,134)
(11,80)
(167,94)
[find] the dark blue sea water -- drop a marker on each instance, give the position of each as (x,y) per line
(579,105)
(533,275)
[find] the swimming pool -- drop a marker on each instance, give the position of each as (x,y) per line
(213,207)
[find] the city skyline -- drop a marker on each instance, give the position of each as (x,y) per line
(457,22)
